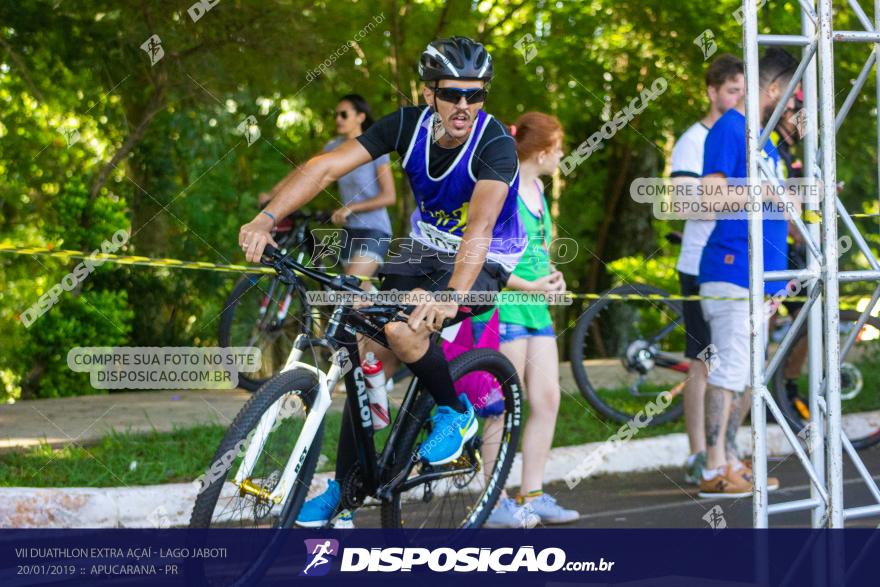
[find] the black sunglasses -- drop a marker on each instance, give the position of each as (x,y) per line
(343,114)
(471,95)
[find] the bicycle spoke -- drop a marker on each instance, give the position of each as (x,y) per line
(626,352)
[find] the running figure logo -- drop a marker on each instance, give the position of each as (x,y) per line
(328,245)
(318,550)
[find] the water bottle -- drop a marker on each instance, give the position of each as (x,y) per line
(376,391)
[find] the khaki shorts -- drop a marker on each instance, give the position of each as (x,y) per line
(728,321)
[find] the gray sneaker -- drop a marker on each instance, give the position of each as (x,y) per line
(507,514)
(694,471)
(551,512)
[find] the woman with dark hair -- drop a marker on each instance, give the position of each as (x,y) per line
(366,192)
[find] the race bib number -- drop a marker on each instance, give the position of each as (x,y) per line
(437,238)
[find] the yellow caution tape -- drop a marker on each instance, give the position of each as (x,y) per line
(812,217)
(233,268)
(134,260)
(145,261)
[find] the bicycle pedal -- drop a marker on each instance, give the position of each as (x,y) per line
(462,461)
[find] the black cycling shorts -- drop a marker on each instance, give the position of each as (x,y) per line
(416,266)
(697,333)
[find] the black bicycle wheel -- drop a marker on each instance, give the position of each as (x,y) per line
(627,353)
(858,367)
(462,493)
(285,400)
(250,317)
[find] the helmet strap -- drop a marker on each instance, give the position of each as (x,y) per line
(437,128)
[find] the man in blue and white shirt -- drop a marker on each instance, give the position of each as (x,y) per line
(724,87)
(724,272)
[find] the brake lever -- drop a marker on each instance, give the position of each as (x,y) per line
(275,258)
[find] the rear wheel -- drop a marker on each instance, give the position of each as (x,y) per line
(626,352)
(460,494)
(265,313)
(858,369)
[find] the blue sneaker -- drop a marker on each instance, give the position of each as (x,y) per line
(316,512)
(451,431)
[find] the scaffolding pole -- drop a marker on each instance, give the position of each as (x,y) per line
(825,442)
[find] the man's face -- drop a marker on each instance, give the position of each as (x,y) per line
(725,96)
(771,96)
(788,125)
(459,117)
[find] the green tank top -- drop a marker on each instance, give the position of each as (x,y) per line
(534,264)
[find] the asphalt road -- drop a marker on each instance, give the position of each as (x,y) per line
(661,499)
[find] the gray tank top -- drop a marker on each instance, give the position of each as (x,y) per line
(359,185)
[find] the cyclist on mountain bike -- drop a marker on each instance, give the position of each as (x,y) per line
(466,234)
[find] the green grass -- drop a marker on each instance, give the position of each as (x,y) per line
(578,423)
(118,459)
(121,459)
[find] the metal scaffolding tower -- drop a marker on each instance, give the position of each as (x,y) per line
(826,442)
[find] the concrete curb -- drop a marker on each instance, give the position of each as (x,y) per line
(170,505)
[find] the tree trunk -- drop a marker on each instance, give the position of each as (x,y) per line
(153,107)
(618,184)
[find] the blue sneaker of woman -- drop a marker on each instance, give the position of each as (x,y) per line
(451,430)
(316,512)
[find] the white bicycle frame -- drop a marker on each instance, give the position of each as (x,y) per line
(326,382)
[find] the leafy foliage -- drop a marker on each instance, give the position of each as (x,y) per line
(95,138)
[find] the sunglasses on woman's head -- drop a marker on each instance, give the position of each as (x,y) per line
(342,114)
(471,95)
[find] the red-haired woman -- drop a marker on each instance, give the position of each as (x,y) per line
(526,330)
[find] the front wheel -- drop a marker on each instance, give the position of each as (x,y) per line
(236,493)
(460,494)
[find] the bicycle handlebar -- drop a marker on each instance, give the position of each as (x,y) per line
(288,268)
(320,216)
